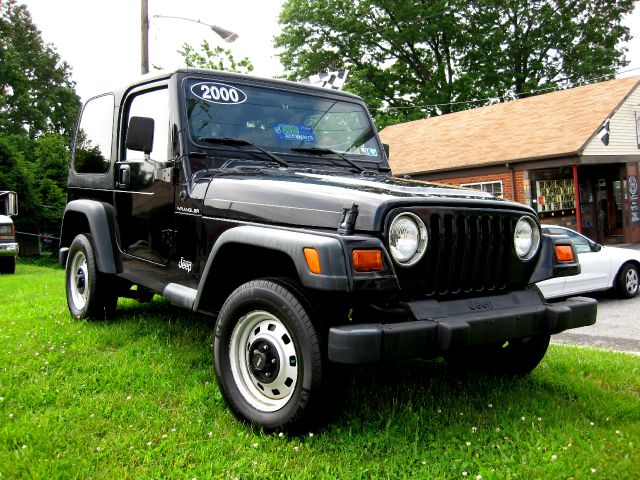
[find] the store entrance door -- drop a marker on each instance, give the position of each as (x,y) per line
(603,186)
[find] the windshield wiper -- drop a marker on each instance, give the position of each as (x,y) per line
(237,142)
(328,151)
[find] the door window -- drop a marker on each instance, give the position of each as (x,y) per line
(152,104)
(582,244)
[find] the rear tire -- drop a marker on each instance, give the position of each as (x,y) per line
(90,294)
(268,356)
(627,281)
(516,357)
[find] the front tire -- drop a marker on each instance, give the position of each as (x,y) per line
(627,281)
(268,356)
(89,293)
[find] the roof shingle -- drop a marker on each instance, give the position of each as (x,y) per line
(549,125)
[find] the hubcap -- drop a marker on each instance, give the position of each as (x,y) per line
(264,361)
(631,281)
(79,281)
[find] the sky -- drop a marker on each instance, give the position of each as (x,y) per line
(101,39)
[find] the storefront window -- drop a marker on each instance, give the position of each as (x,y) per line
(494,188)
(555,195)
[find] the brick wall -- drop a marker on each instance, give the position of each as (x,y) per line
(504,177)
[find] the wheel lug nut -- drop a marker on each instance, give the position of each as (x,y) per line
(267,374)
(273,360)
(265,347)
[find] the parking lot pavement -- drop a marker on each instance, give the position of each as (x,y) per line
(617,326)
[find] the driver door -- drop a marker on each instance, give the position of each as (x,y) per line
(144,200)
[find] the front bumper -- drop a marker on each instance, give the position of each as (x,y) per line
(9,249)
(438,326)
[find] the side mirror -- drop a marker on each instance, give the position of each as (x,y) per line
(11,203)
(596,247)
(140,134)
(386,149)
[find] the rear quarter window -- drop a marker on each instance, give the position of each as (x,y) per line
(92,153)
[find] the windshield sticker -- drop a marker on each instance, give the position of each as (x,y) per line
(294,133)
(213,92)
(370,152)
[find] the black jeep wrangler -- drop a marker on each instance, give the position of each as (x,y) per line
(271,206)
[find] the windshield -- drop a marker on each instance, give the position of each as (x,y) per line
(279,121)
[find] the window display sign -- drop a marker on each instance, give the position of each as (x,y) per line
(633,197)
(555,195)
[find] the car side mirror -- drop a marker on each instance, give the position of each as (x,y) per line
(140,134)
(386,149)
(596,247)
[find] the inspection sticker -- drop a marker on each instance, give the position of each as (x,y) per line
(293,133)
(370,152)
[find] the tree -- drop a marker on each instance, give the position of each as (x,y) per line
(444,55)
(36,91)
(216,59)
(16,174)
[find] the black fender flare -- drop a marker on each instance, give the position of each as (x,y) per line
(102,226)
(548,265)
(334,275)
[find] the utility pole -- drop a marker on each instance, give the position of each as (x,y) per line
(144,35)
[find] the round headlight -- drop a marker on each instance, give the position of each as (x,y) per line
(526,238)
(407,239)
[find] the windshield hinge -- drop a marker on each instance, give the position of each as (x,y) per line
(348,221)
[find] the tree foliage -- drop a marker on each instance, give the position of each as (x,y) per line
(36,91)
(447,54)
(216,59)
(38,113)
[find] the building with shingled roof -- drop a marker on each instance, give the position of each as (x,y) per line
(572,155)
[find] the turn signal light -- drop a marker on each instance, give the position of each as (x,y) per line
(313,259)
(367,260)
(564,253)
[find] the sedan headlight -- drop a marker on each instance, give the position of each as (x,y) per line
(407,239)
(526,238)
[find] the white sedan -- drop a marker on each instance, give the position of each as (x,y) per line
(601,268)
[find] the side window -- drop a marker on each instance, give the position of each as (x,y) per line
(581,243)
(92,153)
(153,104)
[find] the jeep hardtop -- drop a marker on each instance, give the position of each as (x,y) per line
(270,205)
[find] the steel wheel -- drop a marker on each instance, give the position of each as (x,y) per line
(90,294)
(79,280)
(268,356)
(264,361)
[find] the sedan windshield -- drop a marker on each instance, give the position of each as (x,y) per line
(279,121)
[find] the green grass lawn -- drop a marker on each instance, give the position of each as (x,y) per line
(136,398)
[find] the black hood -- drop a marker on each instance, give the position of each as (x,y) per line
(318,199)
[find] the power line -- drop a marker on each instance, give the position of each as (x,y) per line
(513,96)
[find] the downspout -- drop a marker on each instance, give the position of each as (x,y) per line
(513,181)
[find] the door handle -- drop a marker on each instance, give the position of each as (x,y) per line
(124,176)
